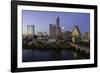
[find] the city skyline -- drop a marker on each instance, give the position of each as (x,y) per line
(42,19)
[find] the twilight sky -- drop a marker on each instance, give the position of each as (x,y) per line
(42,19)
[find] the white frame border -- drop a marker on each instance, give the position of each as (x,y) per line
(52,63)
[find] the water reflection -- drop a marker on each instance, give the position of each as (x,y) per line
(29,55)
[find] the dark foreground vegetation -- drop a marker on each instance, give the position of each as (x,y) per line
(42,45)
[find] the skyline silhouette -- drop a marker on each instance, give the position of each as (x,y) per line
(42,19)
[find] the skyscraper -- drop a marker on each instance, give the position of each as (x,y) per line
(55,30)
(57,22)
(58,30)
(52,31)
(30,30)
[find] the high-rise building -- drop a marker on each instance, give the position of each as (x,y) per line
(55,30)
(52,31)
(57,22)
(58,30)
(30,30)
(76,34)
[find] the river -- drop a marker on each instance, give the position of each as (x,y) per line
(29,55)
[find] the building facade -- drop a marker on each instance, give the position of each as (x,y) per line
(30,30)
(86,37)
(52,31)
(67,36)
(76,34)
(55,30)
(58,29)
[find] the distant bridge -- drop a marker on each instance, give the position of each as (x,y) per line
(81,48)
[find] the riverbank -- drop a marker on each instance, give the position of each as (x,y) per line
(39,45)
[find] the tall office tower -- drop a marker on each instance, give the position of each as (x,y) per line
(52,31)
(30,30)
(58,30)
(57,21)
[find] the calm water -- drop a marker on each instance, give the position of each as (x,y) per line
(29,55)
